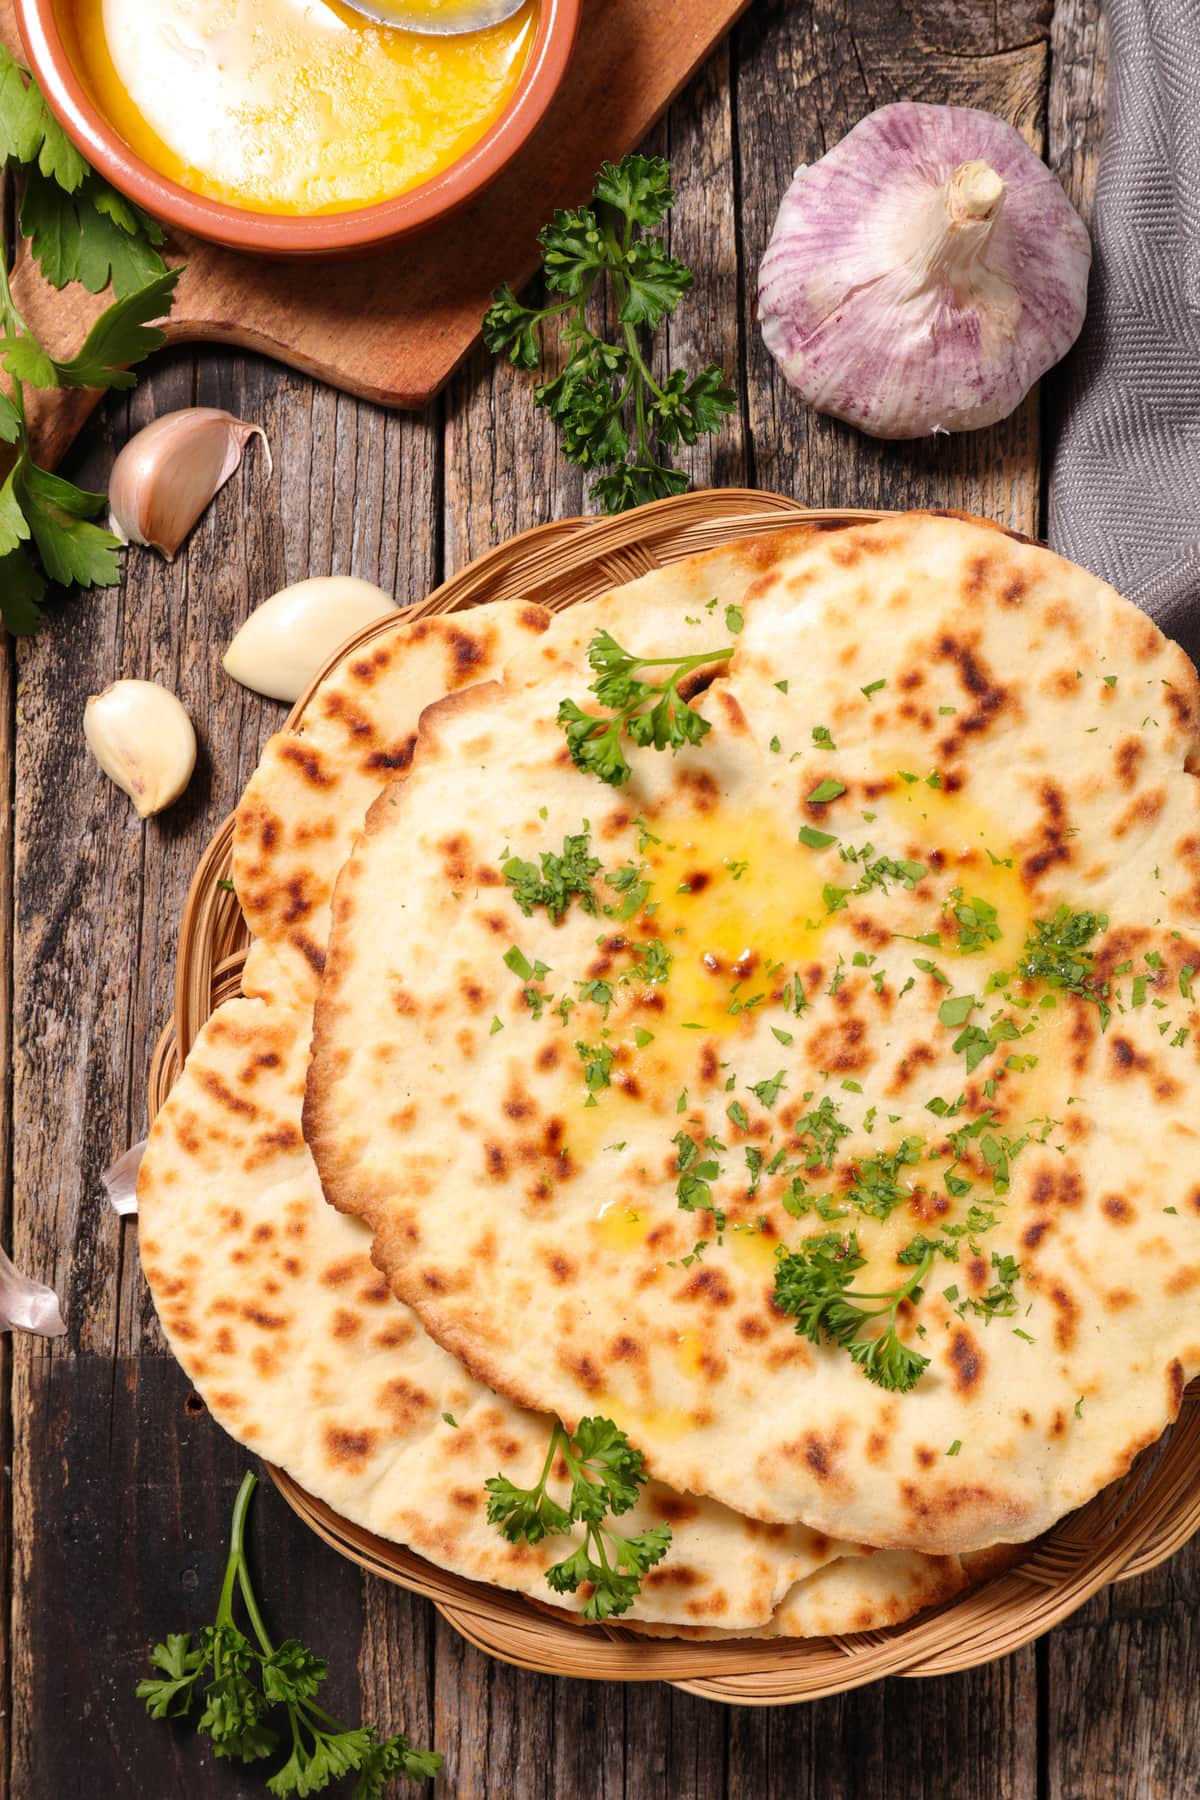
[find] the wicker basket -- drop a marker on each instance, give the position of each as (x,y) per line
(1123,1532)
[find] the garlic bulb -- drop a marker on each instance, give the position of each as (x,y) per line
(169,472)
(143,739)
(924,274)
(289,638)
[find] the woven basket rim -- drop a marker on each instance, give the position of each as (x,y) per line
(1123,1532)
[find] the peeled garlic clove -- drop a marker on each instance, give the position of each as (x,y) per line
(142,738)
(924,274)
(289,638)
(169,472)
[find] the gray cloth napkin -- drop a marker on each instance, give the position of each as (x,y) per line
(1125,471)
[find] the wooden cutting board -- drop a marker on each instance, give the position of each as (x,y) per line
(392,327)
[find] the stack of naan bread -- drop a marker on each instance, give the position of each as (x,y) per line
(922,718)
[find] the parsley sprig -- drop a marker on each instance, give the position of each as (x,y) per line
(606,1475)
(814,1285)
(650,713)
(611,411)
(79,230)
(252,1679)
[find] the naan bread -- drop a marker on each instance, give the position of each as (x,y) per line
(269,1297)
(298,817)
(274,1309)
(991,735)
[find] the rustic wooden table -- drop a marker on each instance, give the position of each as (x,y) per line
(120,1484)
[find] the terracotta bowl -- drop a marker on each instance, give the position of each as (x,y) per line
(269,234)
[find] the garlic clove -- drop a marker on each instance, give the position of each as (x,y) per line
(923,274)
(289,638)
(120,1182)
(169,472)
(143,739)
(27,1305)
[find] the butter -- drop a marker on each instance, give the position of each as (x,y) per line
(291,107)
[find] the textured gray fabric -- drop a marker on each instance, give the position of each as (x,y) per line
(1125,473)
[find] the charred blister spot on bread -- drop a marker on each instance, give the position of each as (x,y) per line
(403,1404)
(254,1314)
(1034,1233)
(1183,1280)
(624,1348)
(1142,812)
(699,789)
(919,1057)
(1125,1060)
(393,758)
(561,1268)
(821,1453)
(924,1456)
(1066,1315)
(549,1056)
(752,1328)
(455,850)
(710,1285)
(1176,1382)
(966,1361)
(582,1369)
(840,1047)
(473,992)
(991,701)
(1128,757)
(348,1451)
(1052,841)
(224,1095)
(307,762)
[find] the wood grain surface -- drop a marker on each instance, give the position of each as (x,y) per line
(121,1485)
(392,326)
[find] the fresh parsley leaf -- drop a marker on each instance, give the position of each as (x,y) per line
(605,1474)
(652,714)
(814,1285)
(563,877)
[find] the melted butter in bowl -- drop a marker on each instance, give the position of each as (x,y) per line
(295,107)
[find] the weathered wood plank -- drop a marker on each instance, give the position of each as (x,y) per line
(97,907)
(126,1541)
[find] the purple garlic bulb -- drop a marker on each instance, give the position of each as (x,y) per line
(924,274)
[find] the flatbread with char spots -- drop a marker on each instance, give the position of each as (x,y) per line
(274,1308)
(839,1132)
(296,821)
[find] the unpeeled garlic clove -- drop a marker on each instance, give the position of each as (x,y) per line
(289,638)
(143,739)
(27,1305)
(924,273)
(169,472)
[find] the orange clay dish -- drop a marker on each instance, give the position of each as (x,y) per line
(293,107)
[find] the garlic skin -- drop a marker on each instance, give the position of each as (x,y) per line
(168,473)
(27,1305)
(924,274)
(143,739)
(289,638)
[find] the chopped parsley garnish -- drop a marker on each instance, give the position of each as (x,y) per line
(563,876)
(814,1286)
(977,921)
(826,790)
(516,960)
(873,687)
(692,1189)
(734,620)
(1057,952)
(816,840)
(597,1060)
(767,1092)
(822,739)
(606,1475)
(652,714)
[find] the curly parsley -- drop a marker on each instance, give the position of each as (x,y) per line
(606,1475)
(814,1286)
(652,714)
